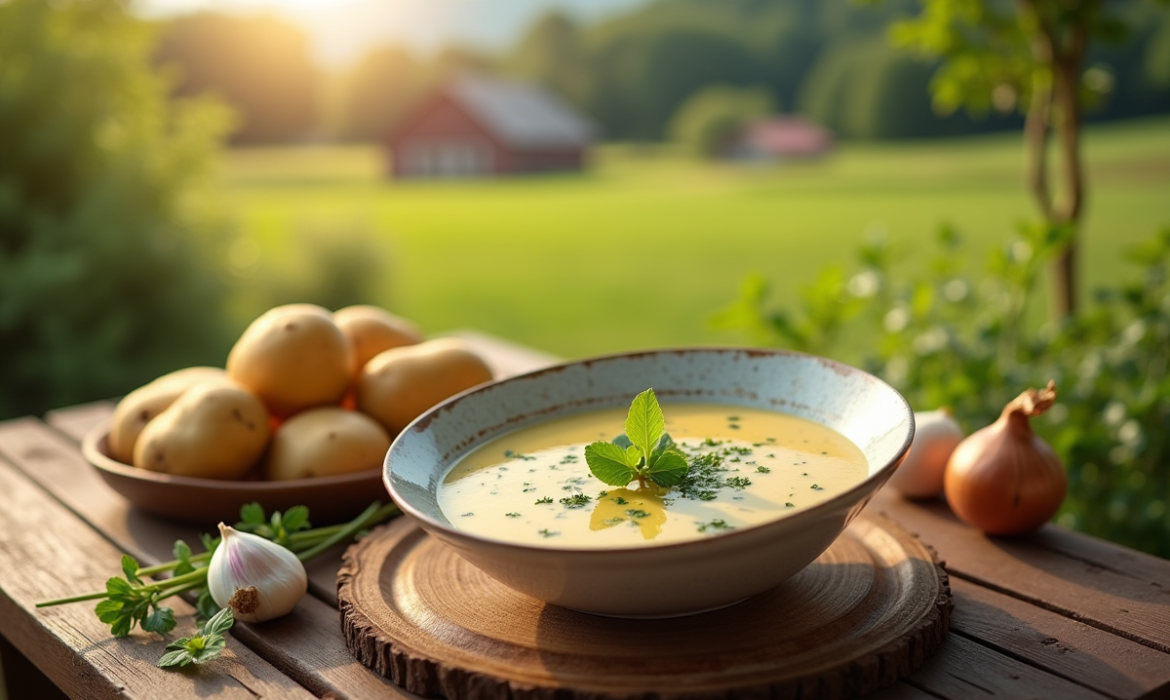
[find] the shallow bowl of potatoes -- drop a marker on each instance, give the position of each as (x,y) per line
(302,414)
(206,502)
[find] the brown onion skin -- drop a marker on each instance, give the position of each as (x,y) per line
(1004,479)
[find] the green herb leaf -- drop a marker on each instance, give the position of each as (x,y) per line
(252,514)
(645,422)
(670,468)
(179,657)
(161,620)
(622,441)
(119,587)
(607,462)
(201,647)
(130,568)
(664,443)
(295,519)
(205,607)
(182,553)
(219,623)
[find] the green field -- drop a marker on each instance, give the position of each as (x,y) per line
(644,246)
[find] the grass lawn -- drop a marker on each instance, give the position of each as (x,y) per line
(639,250)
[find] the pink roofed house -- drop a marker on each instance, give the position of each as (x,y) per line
(779,138)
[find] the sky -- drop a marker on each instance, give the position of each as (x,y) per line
(343,30)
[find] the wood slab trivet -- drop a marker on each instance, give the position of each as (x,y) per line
(866,613)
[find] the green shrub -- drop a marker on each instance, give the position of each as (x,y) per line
(945,338)
(712,115)
(107,256)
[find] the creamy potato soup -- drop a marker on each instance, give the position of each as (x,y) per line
(533,486)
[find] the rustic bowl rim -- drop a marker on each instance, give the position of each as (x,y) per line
(855,494)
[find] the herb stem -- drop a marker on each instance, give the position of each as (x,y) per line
(192,585)
(348,531)
(73,599)
(169,565)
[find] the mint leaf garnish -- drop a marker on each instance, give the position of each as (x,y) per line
(608,463)
(644,452)
(645,422)
(669,469)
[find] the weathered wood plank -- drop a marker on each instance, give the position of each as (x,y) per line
(47,552)
(1089,656)
(1132,606)
(54,463)
(963,669)
(76,421)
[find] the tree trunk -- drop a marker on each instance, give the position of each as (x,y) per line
(1066,74)
(1036,126)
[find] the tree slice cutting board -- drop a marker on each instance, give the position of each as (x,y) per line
(864,614)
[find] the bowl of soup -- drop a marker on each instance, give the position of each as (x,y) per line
(782,449)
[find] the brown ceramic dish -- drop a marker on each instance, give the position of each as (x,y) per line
(330,499)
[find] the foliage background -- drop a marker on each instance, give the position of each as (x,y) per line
(109,270)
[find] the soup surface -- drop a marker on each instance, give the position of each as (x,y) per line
(533,486)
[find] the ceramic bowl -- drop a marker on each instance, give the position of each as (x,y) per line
(330,499)
(668,579)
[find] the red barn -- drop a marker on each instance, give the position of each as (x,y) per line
(475,125)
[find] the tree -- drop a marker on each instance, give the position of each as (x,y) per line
(551,53)
(259,65)
(1029,53)
(379,91)
(108,270)
(712,115)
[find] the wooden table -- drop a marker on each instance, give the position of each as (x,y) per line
(1055,614)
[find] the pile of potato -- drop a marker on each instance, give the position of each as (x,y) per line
(305,393)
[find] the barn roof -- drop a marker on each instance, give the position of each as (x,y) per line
(521,115)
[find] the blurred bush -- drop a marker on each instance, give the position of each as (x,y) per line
(713,115)
(946,338)
(333,265)
(108,256)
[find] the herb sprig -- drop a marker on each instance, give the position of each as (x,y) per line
(201,647)
(129,600)
(643,453)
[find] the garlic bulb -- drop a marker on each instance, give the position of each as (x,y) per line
(936,435)
(257,578)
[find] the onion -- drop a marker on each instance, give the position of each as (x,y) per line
(1004,479)
(936,435)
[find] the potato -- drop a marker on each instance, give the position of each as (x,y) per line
(400,384)
(325,441)
(372,330)
(140,406)
(214,431)
(293,357)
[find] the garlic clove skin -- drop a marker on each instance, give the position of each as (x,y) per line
(257,578)
(921,474)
